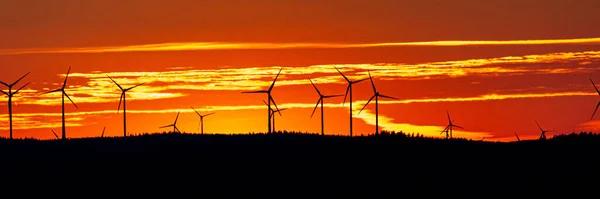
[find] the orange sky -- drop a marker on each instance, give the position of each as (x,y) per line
(496,66)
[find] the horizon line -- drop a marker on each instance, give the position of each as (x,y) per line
(195,46)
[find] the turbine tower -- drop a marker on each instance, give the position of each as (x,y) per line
(174,125)
(450,126)
(62,90)
(543,135)
(123,99)
(10,94)
(321,97)
(598,101)
(376,95)
(273,114)
(349,89)
(270,98)
(201,119)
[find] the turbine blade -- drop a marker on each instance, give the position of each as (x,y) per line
(385,96)
(52,91)
(261,91)
(120,100)
(315,109)
(66,77)
(176,118)
(177,129)
(208,114)
(20,88)
(338,70)
(539,126)
(103,131)
(134,86)
(372,84)
(266,104)
(115,82)
(55,135)
(595,111)
(5,84)
(170,125)
(4,92)
(70,99)
(311,82)
(273,100)
(595,86)
(460,127)
(345,96)
(363,108)
(448,113)
(518,139)
(354,82)
(330,96)
(273,84)
(16,82)
(196,111)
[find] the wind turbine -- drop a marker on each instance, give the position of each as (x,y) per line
(123,99)
(518,139)
(103,132)
(376,95)
(543,135)
(174,125)
(349,89)
(10,94)
(62,90)
(598,101)
(321,97)
(273,113)
(450,126)
(201,119)
(270,98)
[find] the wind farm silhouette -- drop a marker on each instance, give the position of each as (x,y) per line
(448,130)
(321,101)
(64,93)
(10,95)
(123,99)
(269,99)
(201,125)
(349,89)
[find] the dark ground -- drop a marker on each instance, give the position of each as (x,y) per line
(303,165)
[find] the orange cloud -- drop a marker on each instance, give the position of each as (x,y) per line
(186,46)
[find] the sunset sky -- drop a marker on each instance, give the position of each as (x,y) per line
(495,66)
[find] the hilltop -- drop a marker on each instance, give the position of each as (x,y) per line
(292,158)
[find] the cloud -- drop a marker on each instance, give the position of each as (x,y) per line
(186,46)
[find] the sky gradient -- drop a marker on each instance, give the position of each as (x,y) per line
(496,66)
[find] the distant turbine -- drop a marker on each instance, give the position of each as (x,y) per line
(62,90)
(349,89)
(273,113)
(518,139)
(321,97)
(450,126)
(270,98)
(174,125)
(376,95)
(123,99)
(103,132)
(598,101)
(10,94)
(543,135)
(201,119)
(55,134)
